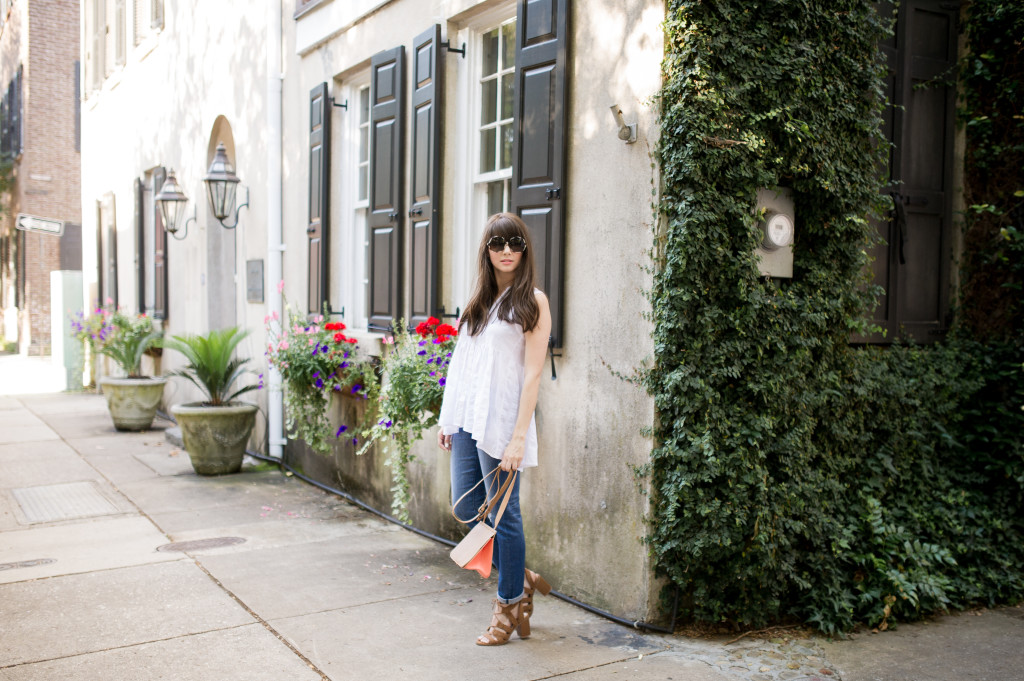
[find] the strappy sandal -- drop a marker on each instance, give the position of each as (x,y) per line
(534,582)
(508,617)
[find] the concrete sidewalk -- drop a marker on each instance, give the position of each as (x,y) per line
(117,562)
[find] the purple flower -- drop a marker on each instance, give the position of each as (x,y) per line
(432,373)
(356,388)
(440,381)
(343,365)
(388,424)
(319,382)
(316,348)
(341,430)
(337,387)
(355,441)
(422,343)
(325,348)
(315,374)
(422,352)
(431,360)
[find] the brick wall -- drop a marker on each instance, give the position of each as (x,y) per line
(49,170)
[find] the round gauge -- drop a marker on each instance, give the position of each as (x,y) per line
(778,231)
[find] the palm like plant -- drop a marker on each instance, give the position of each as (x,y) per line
(127,351)
(211,366)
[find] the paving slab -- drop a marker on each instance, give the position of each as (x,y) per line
(986,646)
(176,493)
(54,618)
(57,463)
(667,665)
(318,508)
(402,639)
(26,433)
(342,572)
(19,451)
(82,546)
(247,653)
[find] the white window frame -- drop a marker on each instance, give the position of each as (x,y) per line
(348,242)
(470,195)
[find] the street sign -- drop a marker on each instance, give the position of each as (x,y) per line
(31,223)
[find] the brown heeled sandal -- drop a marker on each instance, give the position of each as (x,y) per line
(534,582)
(507,618)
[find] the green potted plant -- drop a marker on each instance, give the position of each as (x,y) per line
(215,430)
(133,398)
(316,360)
(414,369)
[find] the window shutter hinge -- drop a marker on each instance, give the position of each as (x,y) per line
(447,45)
(553,193)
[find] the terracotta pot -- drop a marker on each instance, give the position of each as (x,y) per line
(133,401)
(215,437)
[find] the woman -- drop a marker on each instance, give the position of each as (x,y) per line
(487,415)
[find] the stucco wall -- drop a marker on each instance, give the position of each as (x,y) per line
(161,109)
(583,511)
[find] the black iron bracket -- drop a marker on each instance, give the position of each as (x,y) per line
(447,45)
(443,315)
(340,106)
(553,354)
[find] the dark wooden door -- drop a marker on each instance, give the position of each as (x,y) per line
(913,263)
(319,171)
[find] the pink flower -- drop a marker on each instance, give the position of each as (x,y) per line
(319,318)
(110,301)
(389,340)
(311,341)
(283,345)
(280,286)
(274,315)
(266,319)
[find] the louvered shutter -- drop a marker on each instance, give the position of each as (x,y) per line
(538,151)
(108,224)
(319,194)
(387,89)
(157,14)
(425,188)
(160,309)
(120,31)
(140,245)
(913,263)
(99,43)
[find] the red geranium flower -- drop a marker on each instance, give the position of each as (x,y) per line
(339,337)
(446,330)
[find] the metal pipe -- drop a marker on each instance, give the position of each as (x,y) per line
(275,233)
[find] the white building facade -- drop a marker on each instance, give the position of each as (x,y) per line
(374,138)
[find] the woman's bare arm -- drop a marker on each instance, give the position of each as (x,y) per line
(536,349)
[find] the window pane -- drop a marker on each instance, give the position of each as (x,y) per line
(487,140)
(364,105)
(490,52)
(489,102)
(363,172)
(506,95)
(508,52)
(495,197)
(506,146)
(364,152)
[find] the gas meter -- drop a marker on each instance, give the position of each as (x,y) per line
(776,220)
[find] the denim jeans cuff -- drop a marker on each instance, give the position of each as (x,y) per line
(511,601)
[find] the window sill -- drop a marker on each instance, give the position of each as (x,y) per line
(306,7)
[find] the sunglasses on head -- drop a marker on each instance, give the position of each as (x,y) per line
(516,244)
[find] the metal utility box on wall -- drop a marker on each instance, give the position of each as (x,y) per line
(776,217)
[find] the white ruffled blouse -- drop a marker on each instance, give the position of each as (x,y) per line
(483,385)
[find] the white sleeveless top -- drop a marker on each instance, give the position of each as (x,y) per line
(482,389)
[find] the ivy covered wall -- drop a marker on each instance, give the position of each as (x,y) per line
(796,476)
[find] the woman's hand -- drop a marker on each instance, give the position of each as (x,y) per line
(513,455)
(444,441)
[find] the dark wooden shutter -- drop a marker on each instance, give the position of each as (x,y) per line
(108,225)
(913,264)
(160,309)
(319,193)
(140,244)
(387,95)
(425,189)
(101,259)
(538,151)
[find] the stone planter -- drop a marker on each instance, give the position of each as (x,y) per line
(215,437)
(133,401)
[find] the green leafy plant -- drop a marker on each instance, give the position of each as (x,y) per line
(414,369)
(795,475)
(132,338)
(211,366)
(316,360)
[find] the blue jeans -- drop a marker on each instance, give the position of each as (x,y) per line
(469,465)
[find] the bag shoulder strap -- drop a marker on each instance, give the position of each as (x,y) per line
(504,493)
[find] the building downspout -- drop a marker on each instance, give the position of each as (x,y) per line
(275,236)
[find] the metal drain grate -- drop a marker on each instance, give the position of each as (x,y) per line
(62,502)
(200,544)
(27,563)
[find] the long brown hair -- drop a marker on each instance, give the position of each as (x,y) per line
(519,306)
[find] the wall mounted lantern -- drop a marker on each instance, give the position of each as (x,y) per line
(221,184)
(171,201)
